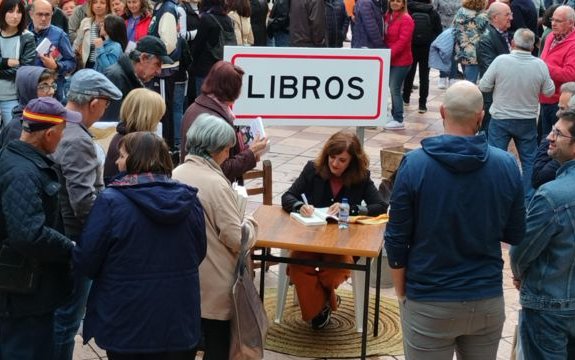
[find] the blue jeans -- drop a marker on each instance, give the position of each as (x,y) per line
(280,39)
(6,107)
(178,108)
(396,76)
(471,73)
(68,317)
(547,335)
(548,118)
(27,337)
(524,134)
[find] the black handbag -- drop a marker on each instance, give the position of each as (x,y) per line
(18,274)
(249,324)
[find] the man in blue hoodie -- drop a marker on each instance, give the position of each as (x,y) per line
(453,202)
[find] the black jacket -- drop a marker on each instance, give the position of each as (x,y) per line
(30,226)
(208,37)
(258,21)
(122,75)
(318,193)
(278,20)
(424,7)
(491,44)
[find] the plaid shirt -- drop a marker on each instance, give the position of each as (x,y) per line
(557,39)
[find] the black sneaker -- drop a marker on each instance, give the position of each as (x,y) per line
(422,109)
(322,319)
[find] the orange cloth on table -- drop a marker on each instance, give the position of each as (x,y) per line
(316,288)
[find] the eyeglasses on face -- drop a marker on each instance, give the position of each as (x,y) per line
(556,133)
(47,87)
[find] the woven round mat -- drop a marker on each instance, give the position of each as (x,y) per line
(339,339)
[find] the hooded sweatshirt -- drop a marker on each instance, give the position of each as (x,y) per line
(142,244)
(27,78)
(453,202)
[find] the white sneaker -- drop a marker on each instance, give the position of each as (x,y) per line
(452,81)
(394,125)
(442,83)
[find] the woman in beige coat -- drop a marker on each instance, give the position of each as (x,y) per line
(88,36)
(209,140)
(240,12)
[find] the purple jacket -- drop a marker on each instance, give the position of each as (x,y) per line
(368,25)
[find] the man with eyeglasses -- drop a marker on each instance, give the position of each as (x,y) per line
(32,82)
(558,55)
(543,264)
(59,56)
(544,167)
(81,163)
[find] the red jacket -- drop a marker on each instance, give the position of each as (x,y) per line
(398,34)
(141,27)
(561,64)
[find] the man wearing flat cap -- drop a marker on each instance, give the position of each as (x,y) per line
(80,161)
(136,69)
(34,254)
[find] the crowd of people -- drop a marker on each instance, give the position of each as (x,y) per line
(139,228)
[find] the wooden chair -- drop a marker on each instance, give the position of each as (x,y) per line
(265,188)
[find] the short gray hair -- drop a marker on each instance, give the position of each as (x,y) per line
(209,135)
(524,39)
(568,87)
(79,99)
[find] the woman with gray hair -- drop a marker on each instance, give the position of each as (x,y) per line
(209,141)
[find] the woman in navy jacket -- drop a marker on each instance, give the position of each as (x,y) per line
(142,245)
(340,171)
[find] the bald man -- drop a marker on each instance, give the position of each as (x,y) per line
(493,42)
(454,201)
(558,55)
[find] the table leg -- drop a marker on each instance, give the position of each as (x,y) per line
(265,252)
(377,296)
(365,308)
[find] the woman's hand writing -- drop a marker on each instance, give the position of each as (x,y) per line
(306,210)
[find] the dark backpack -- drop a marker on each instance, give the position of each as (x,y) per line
(423,32)
(225,38)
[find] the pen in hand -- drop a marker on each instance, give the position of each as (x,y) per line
(306,209)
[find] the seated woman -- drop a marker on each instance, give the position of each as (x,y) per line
(142,245)
(220,89)
(339,171)
(209,141)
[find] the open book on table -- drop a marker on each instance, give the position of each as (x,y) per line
(319,217)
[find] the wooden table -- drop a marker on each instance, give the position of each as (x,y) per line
(277,230)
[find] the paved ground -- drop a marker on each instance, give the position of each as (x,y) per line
(292,147)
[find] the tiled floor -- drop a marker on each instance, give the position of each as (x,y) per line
(292,147)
